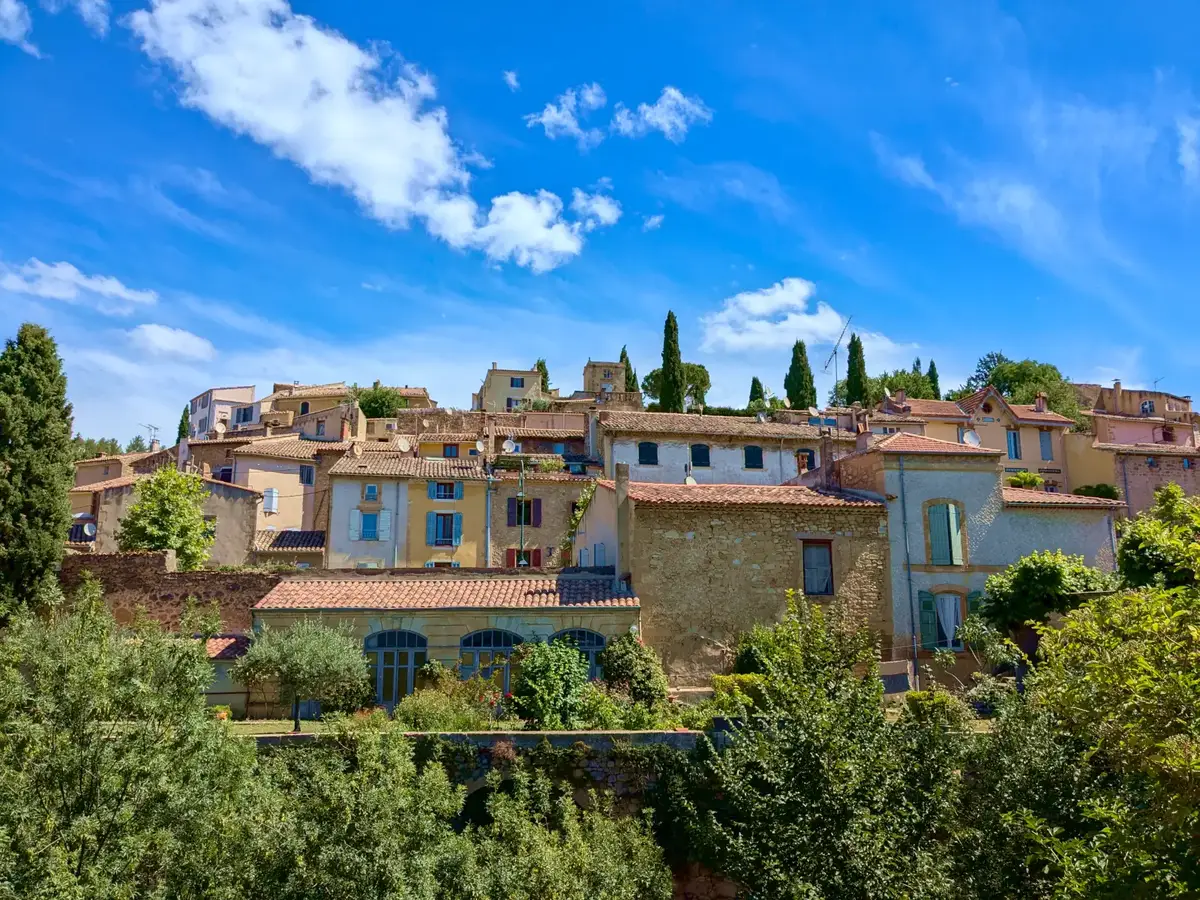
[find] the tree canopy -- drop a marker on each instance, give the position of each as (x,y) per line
(631,379)
(696,385)
(89,448)
(798,384)
(137,444)
(1036,585)
(931,375)
(168,514)
(378,401)
(856,373)
(756,390)
(1021,382)
(544,372)
(1162,545)
(185,426)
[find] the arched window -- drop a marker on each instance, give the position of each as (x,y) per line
(486,653)
(395,657)
(304,408)
(590,644)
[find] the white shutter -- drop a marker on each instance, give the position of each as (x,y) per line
(385,524)
(271,500)
(355,524)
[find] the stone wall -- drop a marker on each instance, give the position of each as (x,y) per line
(1138,480)
(704,575)
(558,495)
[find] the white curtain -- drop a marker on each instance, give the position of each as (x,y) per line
(949,613)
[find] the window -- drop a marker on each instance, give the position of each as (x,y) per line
(818,568)
(308,475)
(106,469)
(441,564)
(524,512)
(243,414)
(753,456)
(516,382)
(518,558)
(945,535)
(1014,444)
(607,376)
(512,403)
(202,428)
(583,557)
(204,402)
(370,526)
(1187,463)
(195,405)
(1044,438)
(320,427)
(394,658)
(486,653)
(700,457)
(304,408)
(271,500)
(1147,407)
(225,473)
(961,434)
(443,490)
(560,449)
(647,453)
(590,644)
(450,451)
(443,529)
(942,616)
(371,493)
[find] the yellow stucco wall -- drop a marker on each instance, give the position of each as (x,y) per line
(1087,465)
(943,431)
(99,470)
(283,475)
(434,449)
(472,550)
(81,502)
(315,404)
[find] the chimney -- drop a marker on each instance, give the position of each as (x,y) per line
(495,365)
(1116,397)
(901,396)
(155,446)
(1040,403)
(624,522)
(826,463)
(863,441)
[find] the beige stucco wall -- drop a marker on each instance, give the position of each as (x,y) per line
(91,472)
(295,499)
(943,431)
(1085,464)
(497,389)
(594,381)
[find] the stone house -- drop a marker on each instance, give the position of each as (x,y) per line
(709,562)
(105,468)
(530,518)
(668,447)
(282,469)
(504,390)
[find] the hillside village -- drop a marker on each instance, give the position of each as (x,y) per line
(537,513)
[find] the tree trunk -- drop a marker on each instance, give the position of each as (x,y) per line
(296,715)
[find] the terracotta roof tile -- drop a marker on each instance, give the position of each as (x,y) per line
(408,467)
(227,646)
(1026,412)
(290,447)
(309,391)
(694,424)
(231,439)
(550,434)
(130,480)
(901,442)
(288,541)
(876,416)
(121,457)
(1149,449)
(1024,497)
(941,409)
(412,391)
(436,437)
(447,592)
(655,494)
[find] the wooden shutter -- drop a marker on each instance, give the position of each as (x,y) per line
(458,490)
(457,529)
(535,557)
(954,524)
(512,512)
(939,535)
(510,559)
(432,488)
(537,513)
(385,525)
(974,602)
(355,525)
(430,528)
(928,620)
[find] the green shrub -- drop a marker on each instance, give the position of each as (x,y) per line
(549,684)
(434,710)
(1104,491)
(1036,585)
(1028,480)
(632,667)
(221,712)
(745,689)
(550,465)
(1161,547)
(599,709)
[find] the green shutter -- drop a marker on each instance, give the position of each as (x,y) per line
(956,537)
(974,602)
(928,620)
(939,535)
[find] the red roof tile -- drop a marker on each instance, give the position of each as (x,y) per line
(408,467)
(130,480)
(1024,497)
(448,592)
(901,442)
(227,646)
(654,494)
(1149,449)
(694,424)
(1026,412)
(290,447)
(288,541)
(941,409)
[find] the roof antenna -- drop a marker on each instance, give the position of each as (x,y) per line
(833,359)
(152,431)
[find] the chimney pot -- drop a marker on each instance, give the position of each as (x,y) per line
(900,395)
(155,446)
(1040,403)
(495,365)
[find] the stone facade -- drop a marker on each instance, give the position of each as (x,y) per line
(1138,479)
(557,495)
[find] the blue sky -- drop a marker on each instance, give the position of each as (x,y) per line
(206,192)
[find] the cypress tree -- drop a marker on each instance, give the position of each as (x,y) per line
(184,426)
(932,375)
(673,384)
(35,464)
(631,381)
(856,372)
(540,365)
(756,390)
(798,384)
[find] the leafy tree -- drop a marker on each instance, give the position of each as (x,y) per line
(1162,545)
(1036,585)
(185,426)
(632,667)
(310,661)
(1102,490)
(631,379)
(35,464)
(137,445)
(914,384)
(798,383)
(856,373)
(983,370)
(90,448)
(168,514)
(1021,382)
(931,375)
(550,683)
(1028,480)
(696,384)
(378,401)
(540,365)
(756,390)
(673,383)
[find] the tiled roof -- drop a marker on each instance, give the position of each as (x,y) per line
(408,467)
(693,424)
(655,494)
(435,437)
(875,416)
(550,434)
(900,442)
(448,592)
(130,480)
(121,457)
(412,391)
(309,391)
(290,447)
(227,646)
(1026,412)
(287,541)
(1149,449)
(509,475)
(234,438)
(1024,497)
(941,409)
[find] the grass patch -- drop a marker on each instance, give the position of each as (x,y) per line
(274,726)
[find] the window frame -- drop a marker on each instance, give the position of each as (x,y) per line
(308,475)
(372,534)
(438,540)
(592,645)
(438,494)
(827,545)
(516,381)
(707,464)
(449,451)
(305,406)
(927,510)
(491,641)
(1046,445)
(320,428)
(1014,443)
(371,493)
(412,645)
(762,458)
(642,455)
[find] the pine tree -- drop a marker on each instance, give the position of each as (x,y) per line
(856,372)
(932,375)
(185,426)
(540,365)
(631,379)
(36,470)
(798,384)
(916,367)
(756,390)
(137,445)
(673,380)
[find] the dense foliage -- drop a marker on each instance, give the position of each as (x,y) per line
(137,444)
(378,401)
(672,384)
(696,383)
(185,426)
(548,689)
(931,375)
(1029,480)
(798,384)
(631,379)
(1021,382)
(1039,584)
(856,374)
(89,448)
(1105,491)
(756,391)
(35,464)
(1162,545)
(168,514)
(634,669)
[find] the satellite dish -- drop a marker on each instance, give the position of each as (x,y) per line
(219,428)
(814,412)
(787,404)
(970,437)
(762,417)
(509,446)
(424,423)
(404,444)
(357,450)
(887,393)
(90,529)
(480,445)
(689,480)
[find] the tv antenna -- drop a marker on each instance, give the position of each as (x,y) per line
(833,358)
(152,430)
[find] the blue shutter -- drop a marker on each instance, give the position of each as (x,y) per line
(956,535)
(432,487)
(928,620)
(939,535)
(457,529)
(454,565)
(458,490)
(1047,445)
(429,565)
(430,528)
(385,525)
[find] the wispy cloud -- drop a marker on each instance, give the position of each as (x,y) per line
(162,340)
(672,114)
(63,281)
(652,223)
(1188,129)
(561,118)
(510,78)
(95,13)
(16,24)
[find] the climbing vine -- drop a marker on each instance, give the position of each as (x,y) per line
(567,545)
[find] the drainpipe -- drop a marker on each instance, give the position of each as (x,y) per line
(396,531)
(1125,485)
(487,521)
(912,611)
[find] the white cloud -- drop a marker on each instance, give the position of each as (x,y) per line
(95,13)
(161,340)
(595,210)
(652,223)
(672,114)
(15,25)
(1189,149)
(62,281)
(909,169)
(348,116)
(561,118)
(510,78)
